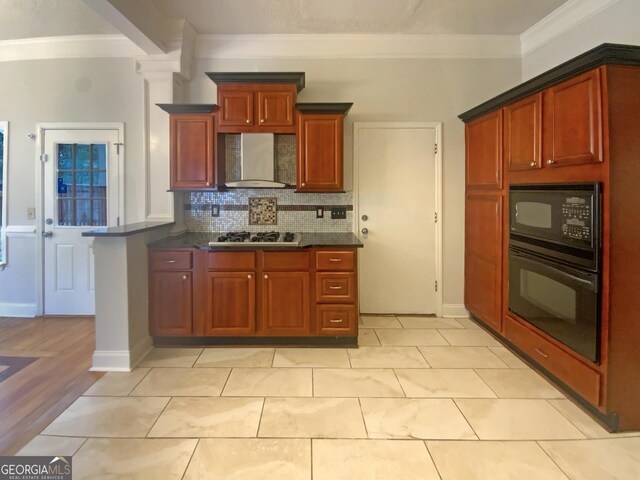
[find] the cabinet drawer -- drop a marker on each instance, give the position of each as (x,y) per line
(339,320)
(566,368)
(335,287)
(231,260)
(285,260)
(335,260)
(170,260)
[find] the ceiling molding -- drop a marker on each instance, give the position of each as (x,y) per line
(561,20)
(73,46)
(357,46)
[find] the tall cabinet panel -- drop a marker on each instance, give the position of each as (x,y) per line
(484,152)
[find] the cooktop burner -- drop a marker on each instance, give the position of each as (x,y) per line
(264,238)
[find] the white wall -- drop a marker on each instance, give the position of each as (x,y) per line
(65,90)
(619,23)
(396,90)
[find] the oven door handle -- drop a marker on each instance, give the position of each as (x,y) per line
(587,280)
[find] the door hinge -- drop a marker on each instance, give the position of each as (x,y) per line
(118,147)
(117,221)
(43,157)
(436,285)
(435,148)
(435,217)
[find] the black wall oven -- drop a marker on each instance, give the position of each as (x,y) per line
(554,258)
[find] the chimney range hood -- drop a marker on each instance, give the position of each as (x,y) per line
(257,162)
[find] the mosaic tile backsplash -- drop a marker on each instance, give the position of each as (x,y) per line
(263,211)
(295,212)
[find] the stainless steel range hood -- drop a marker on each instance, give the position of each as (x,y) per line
(257,164)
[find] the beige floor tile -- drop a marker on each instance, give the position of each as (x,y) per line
(408,418)
(443,383)
(141,459)
(269,382)
(493,461)
(468,338)
(48,446)
(461,357)
(372,460)
(429,322)
(516,383)
(513,419)
(509,358)
(312,418)
(209,417)
(386,357)
(379,322)
(367,338)
(584,422)
(182,382)
(467,323)
(251,459)
(236,357)
(108,417)
(115,384)
(311,357)
(359,382)
(410,337)
(171,357)
(606,459)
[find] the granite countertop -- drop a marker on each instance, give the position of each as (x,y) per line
(202,239)
(125,230)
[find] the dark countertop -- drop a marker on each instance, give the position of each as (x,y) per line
(126,230)
(202,239)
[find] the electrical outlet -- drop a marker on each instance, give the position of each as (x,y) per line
(31,213)
(339,213)
(215,210)
(319,212)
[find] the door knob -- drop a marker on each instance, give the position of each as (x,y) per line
(365,231)
(47,234)
(365,218)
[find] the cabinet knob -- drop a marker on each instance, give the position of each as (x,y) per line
(550,162)
(262,120)
(248,276)
(266,276)
(208,184)
(184,277)
(248,121)
(532,164)
(303,184)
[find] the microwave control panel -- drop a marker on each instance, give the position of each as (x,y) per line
(576,219)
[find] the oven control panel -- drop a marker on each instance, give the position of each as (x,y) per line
(576,219)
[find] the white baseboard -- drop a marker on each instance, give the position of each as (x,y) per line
(140,351)
(18,310)
(121,360)
(453,310)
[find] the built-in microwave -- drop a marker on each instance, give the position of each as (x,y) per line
(560,221)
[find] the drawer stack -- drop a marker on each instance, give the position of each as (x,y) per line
(336,292)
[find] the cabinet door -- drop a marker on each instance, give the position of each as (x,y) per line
(236,107)
(275,109)
(573,121)
(484,151)
(523,133)
(483,258)
(319,153)
(170,304)
(285,304)
(230,303)
(192,157)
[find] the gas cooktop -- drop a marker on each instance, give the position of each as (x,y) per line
(234,239)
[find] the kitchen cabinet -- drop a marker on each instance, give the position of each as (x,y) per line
(336,292)
(523,134)
(170,293)
(484,152)
(319,160)
(236,107)
(285,306)
(259,106)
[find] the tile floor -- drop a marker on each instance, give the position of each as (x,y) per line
(422,398)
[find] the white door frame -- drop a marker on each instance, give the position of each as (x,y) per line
(41,128)
(437,126)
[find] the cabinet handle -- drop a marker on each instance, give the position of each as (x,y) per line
(248,121)
(336,320)
(184,277)
(170,261)
(550,162)
(266,276)
(332,287)
(248,276)
(335,259)
(532,164)
(540,352)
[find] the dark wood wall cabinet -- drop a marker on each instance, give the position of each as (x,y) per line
(576,123)
(256,293)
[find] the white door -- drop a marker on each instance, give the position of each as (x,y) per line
(80,193)
(396,196)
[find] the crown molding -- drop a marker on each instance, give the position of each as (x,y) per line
(357,46)
(560,21)
(72,46)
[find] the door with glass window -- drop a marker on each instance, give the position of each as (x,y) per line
(80,193)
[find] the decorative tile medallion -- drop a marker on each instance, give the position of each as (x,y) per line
(263,211)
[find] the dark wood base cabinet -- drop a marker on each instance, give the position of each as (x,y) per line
(576,123)
(271,294)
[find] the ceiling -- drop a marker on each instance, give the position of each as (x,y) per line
(42,18)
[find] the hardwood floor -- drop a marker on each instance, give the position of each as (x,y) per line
(48,361)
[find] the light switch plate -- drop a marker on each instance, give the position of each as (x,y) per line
(215,210)
(339,213)
(319,212)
